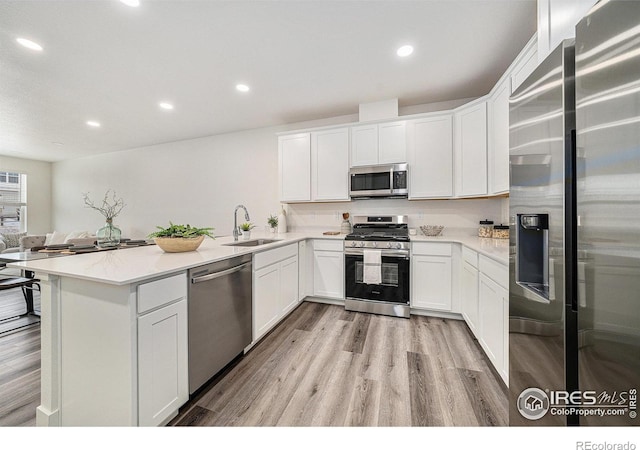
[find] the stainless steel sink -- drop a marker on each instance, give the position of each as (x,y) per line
(252,242)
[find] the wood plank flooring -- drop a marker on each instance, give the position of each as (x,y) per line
(20,377)
(324,366)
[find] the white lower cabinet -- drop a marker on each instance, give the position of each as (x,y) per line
(266,302)
(431,275)
(163,383)
(275,287)
(469,295)
(162,363)
(328,269)
(288,284)
(492,300)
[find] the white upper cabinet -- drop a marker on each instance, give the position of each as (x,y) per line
(330,164)
(430,157)
(294,158)
(557,20)
(384,143)
(471,150)
(526,62)
(498,139)
(364,145)
(392,143)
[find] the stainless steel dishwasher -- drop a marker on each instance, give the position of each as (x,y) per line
(219,316)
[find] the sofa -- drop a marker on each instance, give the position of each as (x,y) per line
(20,242)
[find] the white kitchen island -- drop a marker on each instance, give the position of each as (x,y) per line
(114,336)
(114,325)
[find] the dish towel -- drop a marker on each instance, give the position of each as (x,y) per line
(372,273)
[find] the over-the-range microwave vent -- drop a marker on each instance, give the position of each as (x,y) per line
(378,197)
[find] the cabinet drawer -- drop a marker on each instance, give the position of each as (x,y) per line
(470,256)
(431,248)
(268,257)
(329,245)
(161,292)
(494,270)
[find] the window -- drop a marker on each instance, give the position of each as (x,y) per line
(9,177)
(13,202)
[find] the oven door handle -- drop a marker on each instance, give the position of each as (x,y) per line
(390,253)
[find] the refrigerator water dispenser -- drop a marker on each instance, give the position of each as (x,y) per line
(532,259)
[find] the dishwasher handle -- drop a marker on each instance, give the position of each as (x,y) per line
(213,276)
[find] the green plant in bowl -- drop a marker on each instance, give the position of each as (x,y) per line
(180,238)
(181,231)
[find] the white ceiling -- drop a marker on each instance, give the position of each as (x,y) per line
(303,60)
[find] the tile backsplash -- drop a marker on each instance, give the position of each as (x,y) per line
(464,213)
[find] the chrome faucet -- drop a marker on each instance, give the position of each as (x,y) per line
(236,229)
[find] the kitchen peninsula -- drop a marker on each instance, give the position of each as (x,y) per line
(114,337)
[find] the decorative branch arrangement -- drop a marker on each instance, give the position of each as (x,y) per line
(110,207)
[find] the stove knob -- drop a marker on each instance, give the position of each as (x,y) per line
(353,244)
(389,245)
(360,244)
(398,245)
(374,244)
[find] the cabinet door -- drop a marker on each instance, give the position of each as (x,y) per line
(328,274)
(392,143)
(470,296)
(364,145)
(524,67)
(295,167)
(499,139)
(431,279)
(330,164)
(163,383)
(302,270)
(471,150)
(288,285)
(491,301)
(266,299)
(430,157)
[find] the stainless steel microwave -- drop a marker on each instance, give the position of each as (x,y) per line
(387,181)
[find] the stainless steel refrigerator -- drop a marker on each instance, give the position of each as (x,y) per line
(574,294)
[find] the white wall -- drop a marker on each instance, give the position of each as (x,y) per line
(38,191)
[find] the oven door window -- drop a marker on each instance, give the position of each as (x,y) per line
(389,273)
(370,181)
(395,280)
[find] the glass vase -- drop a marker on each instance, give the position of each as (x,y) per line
(108,236)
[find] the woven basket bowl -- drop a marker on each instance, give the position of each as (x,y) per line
(431,230)
(177,245)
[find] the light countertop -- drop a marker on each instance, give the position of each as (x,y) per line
(127,266)
(497,249)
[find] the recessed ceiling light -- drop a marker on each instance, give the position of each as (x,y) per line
(165,105)
(405,50)
(242,87)
(57,143)
(93,123)
(132,3)
(29,44)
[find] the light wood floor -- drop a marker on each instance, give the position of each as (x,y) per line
(20,377)
(19,360)
(324,366)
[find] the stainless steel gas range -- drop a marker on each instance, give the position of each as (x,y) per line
(376,256)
